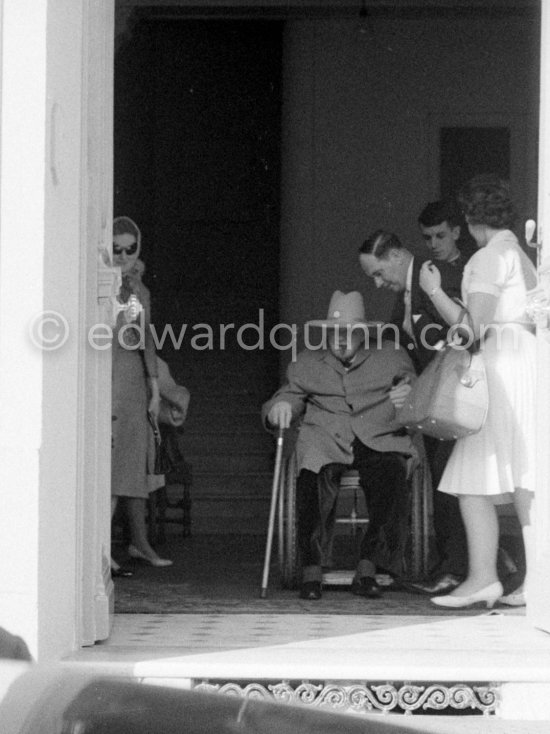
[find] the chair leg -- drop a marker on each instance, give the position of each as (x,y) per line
(161,515)
(186,507)
(152,517)
(416,524)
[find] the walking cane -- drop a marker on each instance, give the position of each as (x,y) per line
(272,510)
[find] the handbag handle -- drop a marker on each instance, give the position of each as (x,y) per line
(471,376)
(155,426)
(473,348)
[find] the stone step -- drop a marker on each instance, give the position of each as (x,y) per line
(209,397)
(190,361)
(226,421)
(248,516)
(226,358)
(209,387)
(227,486)
(240,381)
(227,410)
(231,399)
(232,463)
(436,668)
(216,403)
(230,503)
(243,363)
(230,451)
(239,442)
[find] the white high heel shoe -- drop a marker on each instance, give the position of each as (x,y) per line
(488,596)
(515,599)
(134,552)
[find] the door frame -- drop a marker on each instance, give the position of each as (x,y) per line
(538,604)
(98,287)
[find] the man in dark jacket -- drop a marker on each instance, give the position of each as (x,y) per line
(384,259)
(441,228)
(346,393)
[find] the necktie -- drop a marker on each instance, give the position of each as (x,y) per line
(407,319)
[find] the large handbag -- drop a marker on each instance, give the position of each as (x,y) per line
(174,398)
(163,462)
(449,399)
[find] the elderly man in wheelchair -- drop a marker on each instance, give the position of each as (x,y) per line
(345,393)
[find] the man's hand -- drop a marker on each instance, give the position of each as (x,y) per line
(429,278)
(280,414)
(399,392)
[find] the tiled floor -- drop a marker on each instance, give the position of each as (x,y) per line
(483,647)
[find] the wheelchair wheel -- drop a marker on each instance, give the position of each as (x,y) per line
(291,566)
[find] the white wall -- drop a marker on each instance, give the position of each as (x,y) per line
(39,271)
(359,119)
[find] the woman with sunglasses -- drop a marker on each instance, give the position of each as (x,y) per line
(135,393)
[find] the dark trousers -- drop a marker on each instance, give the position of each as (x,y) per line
(383,478)
(450,535)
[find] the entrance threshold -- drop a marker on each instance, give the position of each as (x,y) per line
(493,664)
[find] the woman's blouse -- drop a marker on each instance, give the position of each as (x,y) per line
(140,337)
(500,269)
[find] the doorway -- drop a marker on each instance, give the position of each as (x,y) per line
(197,165)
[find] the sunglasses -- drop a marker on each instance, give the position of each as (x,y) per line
(129,250)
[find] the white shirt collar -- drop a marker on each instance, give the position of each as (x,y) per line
(408,281)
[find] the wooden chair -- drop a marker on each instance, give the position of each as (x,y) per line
(172,502)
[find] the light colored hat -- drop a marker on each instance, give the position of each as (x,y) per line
(345,309)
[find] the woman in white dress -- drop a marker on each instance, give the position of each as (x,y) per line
(496,465)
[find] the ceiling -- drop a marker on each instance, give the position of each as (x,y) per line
(327,8)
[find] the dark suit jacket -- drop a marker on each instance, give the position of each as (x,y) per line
(467,247)
(428,326)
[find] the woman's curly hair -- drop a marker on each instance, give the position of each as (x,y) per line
(486,200)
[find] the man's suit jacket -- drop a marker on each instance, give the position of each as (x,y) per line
(338,406)
(427,325)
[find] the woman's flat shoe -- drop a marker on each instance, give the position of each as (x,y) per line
(134,552)
(486,596)
(515,599)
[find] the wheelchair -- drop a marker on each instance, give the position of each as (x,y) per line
(351,513)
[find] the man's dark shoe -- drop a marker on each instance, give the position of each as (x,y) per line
(442,584)
(311,590)
(366,586)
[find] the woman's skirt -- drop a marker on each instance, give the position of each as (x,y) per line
(501,457)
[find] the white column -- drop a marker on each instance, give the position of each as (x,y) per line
(40,278)
(539,601)
(22,203)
